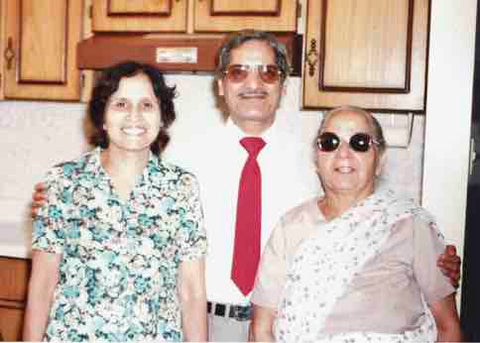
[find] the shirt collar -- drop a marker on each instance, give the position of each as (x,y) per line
(153,162)
(236,132)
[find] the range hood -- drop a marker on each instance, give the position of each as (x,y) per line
(190,53)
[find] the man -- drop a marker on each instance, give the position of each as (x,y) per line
(251,73)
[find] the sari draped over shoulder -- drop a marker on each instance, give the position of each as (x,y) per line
(325,264)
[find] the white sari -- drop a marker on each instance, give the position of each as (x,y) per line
(325,263)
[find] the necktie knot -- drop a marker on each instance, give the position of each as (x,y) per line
(253,145)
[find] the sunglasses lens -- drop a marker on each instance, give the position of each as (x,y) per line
(328,142)
(269,73)
(236,73)
(360,142)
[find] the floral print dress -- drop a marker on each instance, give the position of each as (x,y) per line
(117,276)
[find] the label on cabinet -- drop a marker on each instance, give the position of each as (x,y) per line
(176,55)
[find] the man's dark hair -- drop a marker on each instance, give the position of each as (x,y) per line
(238,38)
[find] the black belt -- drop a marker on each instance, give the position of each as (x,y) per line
(240,313)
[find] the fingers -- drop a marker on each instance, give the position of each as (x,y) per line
(453,276)
(33,211)
(455,279)
(38,199)
(38,192)
(39,187)
(451,250)
(450,264)
(450,261)
(37,202)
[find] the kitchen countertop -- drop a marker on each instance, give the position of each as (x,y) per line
(15,240)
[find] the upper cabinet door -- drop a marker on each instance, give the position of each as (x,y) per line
(140,15)
(233,15)
(39,49)
(367,53)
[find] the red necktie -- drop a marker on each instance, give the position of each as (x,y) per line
(246,249)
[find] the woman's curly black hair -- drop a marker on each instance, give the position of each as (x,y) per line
(108,83)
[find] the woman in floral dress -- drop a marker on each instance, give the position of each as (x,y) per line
(118,249)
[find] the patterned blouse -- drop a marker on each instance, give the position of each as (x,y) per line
(117,276)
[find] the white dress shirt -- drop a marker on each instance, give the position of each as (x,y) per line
(217,158)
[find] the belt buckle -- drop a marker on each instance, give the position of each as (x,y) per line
(240,313)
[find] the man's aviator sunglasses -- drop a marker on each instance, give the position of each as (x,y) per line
(359,142)
(269,73)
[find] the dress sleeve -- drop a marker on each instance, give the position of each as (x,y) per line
(428,245)
(48,232)
(192,238)
(272,270)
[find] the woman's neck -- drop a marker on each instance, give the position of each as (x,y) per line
(123,168)
(333,205)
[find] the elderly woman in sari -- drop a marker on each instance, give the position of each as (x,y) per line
(357,263)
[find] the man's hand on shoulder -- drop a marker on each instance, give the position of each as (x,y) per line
(38,198)
(449,263)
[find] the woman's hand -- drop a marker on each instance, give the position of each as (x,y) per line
(42,284)
(449,263)
(193,300)
(262,324)
(38,198)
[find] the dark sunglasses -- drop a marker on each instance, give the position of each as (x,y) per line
(269,73)
(359,142)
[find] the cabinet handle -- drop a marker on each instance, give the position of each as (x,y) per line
(9,53)
(312,57)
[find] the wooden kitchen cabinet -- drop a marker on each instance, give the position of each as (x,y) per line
(39,49)
(14,276)
(367,53)
(189,16)
(233,15)
(139,15)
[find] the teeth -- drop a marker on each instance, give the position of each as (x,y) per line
(133,131)
(252,95)
(344,169)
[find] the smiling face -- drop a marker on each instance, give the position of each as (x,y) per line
(345,171)
(132,118)
(251,103)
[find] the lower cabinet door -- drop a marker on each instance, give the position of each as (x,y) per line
(11,323)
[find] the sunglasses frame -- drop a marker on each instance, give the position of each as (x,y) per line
(262,70)
(352,142)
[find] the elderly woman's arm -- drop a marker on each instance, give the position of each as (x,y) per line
(446,318)
(193,300)
(40,294)
(262,324)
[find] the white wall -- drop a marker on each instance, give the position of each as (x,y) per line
(33,136)
(449,108)
(36,135)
